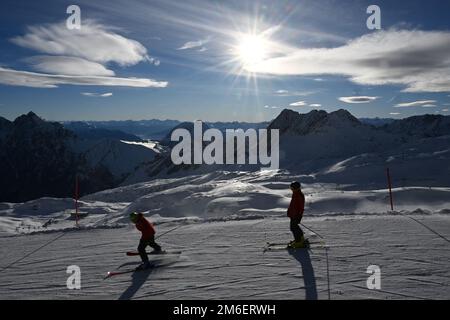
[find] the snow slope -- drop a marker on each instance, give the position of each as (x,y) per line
(217,196)
(120,157)
(225,260)
(223,221)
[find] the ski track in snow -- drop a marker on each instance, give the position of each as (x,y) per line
(225,260)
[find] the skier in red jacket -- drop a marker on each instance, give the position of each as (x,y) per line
(147,239)
(295,213)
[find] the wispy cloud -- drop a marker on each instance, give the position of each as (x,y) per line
(154,61)
(419,103)
(72,66)
(78,57)
(270,107)
(298,104)
(419,60)
(97,95)
(358,99)
(93,42)
(315,105)
(395,113)
(41,80)
(199,44)
(287,93)
(444,110)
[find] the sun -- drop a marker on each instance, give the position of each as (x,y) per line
(251,50)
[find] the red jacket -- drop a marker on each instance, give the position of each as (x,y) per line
(144,226)
(297,205)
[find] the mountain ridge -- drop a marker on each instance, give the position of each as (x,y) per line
(310,143)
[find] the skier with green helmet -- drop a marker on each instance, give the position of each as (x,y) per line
(147,239)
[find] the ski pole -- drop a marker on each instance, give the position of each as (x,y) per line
(168,231)
(32,252)
(312,231)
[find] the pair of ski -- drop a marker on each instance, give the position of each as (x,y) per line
(283,246)
(110,274)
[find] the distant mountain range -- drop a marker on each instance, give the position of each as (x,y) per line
(376,122)
(88,131)
(337,146)
(144,129)
(130,130)
(41,158)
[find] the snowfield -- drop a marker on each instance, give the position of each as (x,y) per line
(225,260)
(222,222)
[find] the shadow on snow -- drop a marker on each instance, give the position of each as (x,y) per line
(309,278)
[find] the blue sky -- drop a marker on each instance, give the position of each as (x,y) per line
(223,60)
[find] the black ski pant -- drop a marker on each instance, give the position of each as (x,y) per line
(143,244)
(295,228)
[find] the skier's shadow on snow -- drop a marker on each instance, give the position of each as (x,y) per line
(309,278)
(138,279)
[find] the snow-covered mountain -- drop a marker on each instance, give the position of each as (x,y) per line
(189,126)
(119,157)
(153,129)
(338,147)
(87,131)
(144,129)
(420,126)
(308,141)
(332,147)
(290,122)
(376,122)
(41,158)
(316,143)
(36,159)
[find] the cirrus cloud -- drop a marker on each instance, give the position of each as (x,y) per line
(97,95)
(78,57)
(287,93)
(41,80)
(418,60)
(72,66)
(419,103)
(298,104)
(199,44)
(93,42)
(357,99)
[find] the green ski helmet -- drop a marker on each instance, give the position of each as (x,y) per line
(133,217)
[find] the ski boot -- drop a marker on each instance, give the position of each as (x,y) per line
(301,244)
(160,251)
